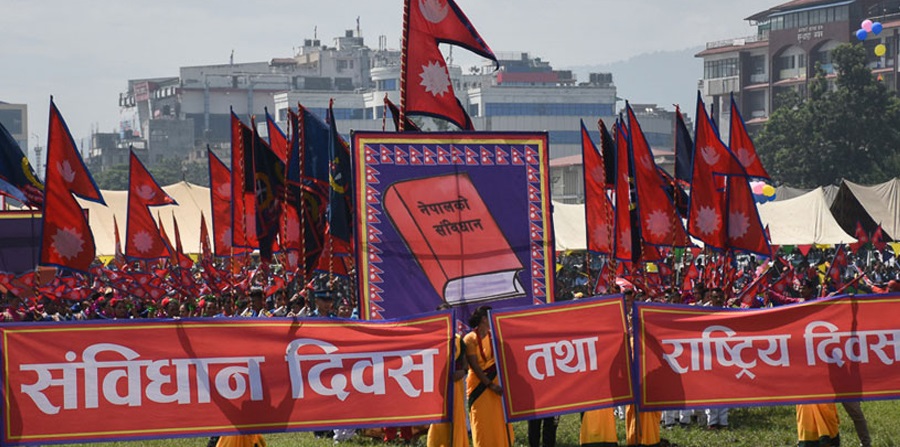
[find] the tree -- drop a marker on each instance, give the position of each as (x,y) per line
(850,131)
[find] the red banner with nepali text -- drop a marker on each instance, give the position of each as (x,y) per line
(562,358)
(164,378)
(845,348)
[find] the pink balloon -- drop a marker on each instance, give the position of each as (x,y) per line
(866,25)
(757,188)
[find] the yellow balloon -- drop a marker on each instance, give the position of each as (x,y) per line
(880,49)
(768,190)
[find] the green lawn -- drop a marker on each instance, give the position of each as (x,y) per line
(750,427)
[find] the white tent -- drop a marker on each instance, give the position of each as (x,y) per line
(192,200)
(803,220)
(568,226)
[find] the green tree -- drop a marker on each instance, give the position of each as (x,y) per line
(850,131)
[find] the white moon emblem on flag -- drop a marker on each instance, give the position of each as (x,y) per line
(710,156)
(146,192)
(66,171)
(435,79)
(746,158)
(433,10)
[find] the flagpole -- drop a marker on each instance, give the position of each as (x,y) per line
(404,55)
(301,138)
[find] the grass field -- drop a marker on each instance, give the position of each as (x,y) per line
(750,427)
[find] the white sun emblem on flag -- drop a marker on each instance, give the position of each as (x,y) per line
(625,239)
(708,220)
(598,174)
(602,234)
(293,257)
(293,229)
(146,192)
(68,243)
(225,240)
(710,156)
(66,171)
(658,223)
(745,157)
(738,224)
(143,242)
(435,79)
(224,191)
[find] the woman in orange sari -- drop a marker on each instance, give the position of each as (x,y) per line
(454,433)
(482,386)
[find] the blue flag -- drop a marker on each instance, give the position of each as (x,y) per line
(340,196)
(268,173)
(17,179)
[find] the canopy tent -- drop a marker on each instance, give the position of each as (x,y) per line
(870,206)
(569,226)
(789,192)
(803,220)
(192,200)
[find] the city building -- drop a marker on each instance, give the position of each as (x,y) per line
(14,118)
(791,39)
(177,117)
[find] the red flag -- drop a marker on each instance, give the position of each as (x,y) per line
(742,146)
(744,227)
(67,240)
(690,276)
(659,221)
(184,261)
(624,233)
(142,238)
(878,239)
(598,209)
(278,141)
(838,264)
(862,238)
(205,250)
(119,259)
(243,216)
(706,214)
(220,193)
(425,86)
(746,296)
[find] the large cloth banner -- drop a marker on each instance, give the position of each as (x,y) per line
(845,348)
(163,379)
(461,218)
(563,357)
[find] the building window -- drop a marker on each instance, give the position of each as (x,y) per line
(721,68)
(386,85)
(547,109)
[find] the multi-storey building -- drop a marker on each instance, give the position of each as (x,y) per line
(14,118)
(791,39)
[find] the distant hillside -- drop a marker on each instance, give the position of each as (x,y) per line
(664,78)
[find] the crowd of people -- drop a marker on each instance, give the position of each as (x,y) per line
(692,278)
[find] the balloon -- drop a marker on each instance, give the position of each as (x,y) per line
(880,49)
(768,190)
(757,187)
(876,28)
(866,25)
(861,34)
(772,197)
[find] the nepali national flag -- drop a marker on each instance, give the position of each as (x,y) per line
(424,79)
(243,222)
(220,194)
(67,240)
(742,146)
(598,209)
(278,141)
(660,223)
(17,179)
(142,237)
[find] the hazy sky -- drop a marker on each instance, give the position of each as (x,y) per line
(83,51)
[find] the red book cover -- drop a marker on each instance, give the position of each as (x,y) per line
(454,238)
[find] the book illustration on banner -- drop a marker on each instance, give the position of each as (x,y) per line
(451,233)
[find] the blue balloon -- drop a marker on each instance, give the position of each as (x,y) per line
(861,34)
(876,28)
